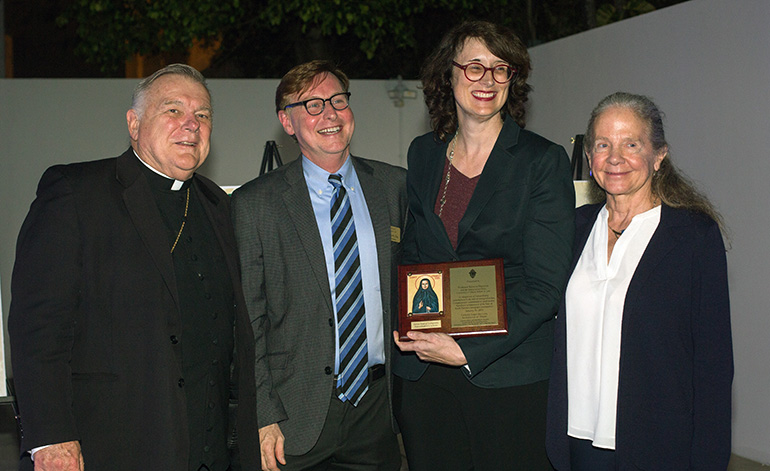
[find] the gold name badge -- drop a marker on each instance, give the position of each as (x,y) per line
(395,234)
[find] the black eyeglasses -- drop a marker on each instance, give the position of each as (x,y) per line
(315,106)
(500,73)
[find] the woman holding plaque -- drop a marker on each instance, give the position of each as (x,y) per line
(642,369)
(481,187)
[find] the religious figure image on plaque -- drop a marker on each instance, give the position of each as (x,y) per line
(425,298)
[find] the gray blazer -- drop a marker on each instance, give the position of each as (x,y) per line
(287,290)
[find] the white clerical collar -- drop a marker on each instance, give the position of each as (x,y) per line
(176,186)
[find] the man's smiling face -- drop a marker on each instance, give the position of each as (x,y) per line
(326,137)
(172,130)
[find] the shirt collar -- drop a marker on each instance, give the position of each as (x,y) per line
(176,185)
(317,179)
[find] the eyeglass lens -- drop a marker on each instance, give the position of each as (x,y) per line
(316,106)
(474,72)
(501,73)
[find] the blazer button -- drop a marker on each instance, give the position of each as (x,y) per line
(331,323)
(174,339)
(181,382)
(328,370)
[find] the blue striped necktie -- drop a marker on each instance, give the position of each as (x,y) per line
(349,298)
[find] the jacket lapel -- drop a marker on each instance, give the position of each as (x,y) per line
(220,223)
(374,192)
(146,218)
(669,235)
(503,155)
(300,210)
(584,221)
(434,172)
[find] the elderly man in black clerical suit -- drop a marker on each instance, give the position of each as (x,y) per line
(127,305)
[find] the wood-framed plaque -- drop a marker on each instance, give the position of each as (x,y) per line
(462,299)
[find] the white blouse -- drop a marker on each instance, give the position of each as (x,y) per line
(595,297)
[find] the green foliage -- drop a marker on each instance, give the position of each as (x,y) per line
(607,13)
(264,38)
(371,21)
(111,31)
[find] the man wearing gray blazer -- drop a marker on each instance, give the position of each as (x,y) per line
(319,241)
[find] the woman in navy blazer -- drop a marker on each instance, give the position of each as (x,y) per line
(665,373)
(482,187)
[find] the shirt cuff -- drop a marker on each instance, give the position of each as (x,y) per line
(35,450)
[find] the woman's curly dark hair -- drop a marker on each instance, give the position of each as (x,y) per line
(436,73)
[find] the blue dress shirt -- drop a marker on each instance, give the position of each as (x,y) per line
(320,190)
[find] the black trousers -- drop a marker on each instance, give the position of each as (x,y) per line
(449,424)
(357,438)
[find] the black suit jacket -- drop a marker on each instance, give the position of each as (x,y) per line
(676,363)
(521,211)
(94,307)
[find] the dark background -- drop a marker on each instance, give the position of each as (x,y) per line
(40,43)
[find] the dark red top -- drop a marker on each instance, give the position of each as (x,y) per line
(458,195)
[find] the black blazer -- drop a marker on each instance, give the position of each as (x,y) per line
(94,307)
(676,362)
(521,211)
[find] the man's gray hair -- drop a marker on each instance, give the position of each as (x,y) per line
(140,92)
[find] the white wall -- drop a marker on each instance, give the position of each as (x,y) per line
(706,64)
